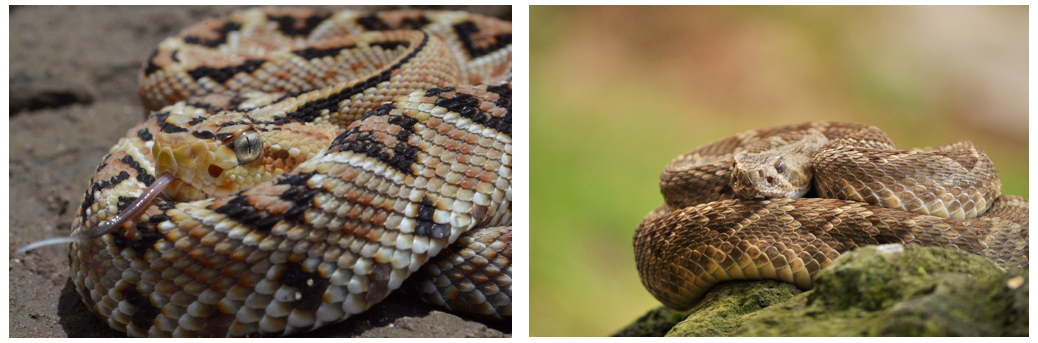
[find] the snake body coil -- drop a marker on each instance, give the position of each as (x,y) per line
(319,159)
(866,193)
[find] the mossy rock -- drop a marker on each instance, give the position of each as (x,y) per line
(896,290)
(728,305)
(654,323)
(889,290)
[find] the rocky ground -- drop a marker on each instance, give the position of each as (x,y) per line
(73,93)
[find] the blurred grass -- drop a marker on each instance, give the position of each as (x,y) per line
(617,92)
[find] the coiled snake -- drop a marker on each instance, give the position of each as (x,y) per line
(716,227)
(299,165)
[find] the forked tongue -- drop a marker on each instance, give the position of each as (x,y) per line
(136,208)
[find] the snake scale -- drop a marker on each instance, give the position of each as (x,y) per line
(299,165)
(723,219)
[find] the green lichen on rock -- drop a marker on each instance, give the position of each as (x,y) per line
(898,290)
(889,290)
(727,306)
(654,323)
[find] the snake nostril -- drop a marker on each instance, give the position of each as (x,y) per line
(215,171)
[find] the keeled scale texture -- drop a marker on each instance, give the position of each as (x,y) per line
(697,240)
(341,230)
(472,274)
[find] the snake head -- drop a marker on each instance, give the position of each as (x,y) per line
(222,154)
(764,176)
(783,171)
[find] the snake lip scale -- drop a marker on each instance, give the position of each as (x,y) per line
(319,159)
(717,224)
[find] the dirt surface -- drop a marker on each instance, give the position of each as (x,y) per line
(73,94)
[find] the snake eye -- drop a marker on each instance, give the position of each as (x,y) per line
(248,147)
(780,165)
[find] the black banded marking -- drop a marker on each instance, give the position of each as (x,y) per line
(310,286)
(221,75)
(209,108)
(151,67)
(292,26)
(363,139)
(197,120)
(234,104)
(391,45)
(312,110)
(467,106)
(374,23)
(299,194)
(167,205)
(424,225)
(437,91)
(467,30)
(381,110)
(221,34)
(165,126)
(235,208)
(204,135)
(143,134)
(505,102)
(142,175)
(505,91)
(312,53)
(124,202)
(171,128)
(246,121)
(303,198)
(298,180)
(233,101)
(148,236)
(104,162)
(158,218)
(105,184)
(98,186)
(240,209)
(146,313)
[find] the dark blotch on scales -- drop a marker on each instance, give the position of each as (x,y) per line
(291,26)
(310,286)
(221,36)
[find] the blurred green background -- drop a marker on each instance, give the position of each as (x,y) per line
(617,92)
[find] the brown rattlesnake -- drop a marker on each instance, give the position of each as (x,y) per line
(314,160)
(866,193)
